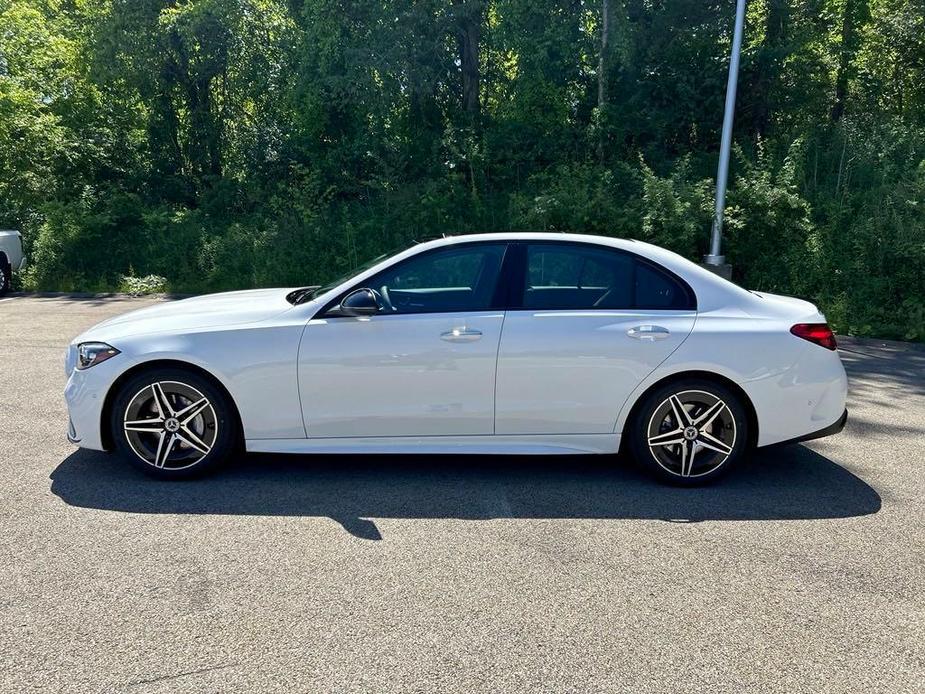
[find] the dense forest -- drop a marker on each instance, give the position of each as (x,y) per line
(198,145)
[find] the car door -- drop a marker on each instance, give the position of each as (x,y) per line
(424,365)
(586,324)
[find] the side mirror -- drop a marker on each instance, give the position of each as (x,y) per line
(360,302)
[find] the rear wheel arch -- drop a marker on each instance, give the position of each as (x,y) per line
(119,383)
(686,375)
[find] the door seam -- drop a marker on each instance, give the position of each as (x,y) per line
(494,398)
(298,376)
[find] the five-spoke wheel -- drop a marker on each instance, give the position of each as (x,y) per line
(689,432)
(172,423)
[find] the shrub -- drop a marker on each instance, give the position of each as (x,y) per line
(138,286)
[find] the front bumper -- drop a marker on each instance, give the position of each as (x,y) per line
(72,432)
(85,395)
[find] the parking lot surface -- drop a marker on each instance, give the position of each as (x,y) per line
(803,571)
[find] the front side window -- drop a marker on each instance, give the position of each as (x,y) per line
(460,278)
(563,276)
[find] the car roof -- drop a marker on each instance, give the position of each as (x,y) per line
(712,291)
(531,236)
(647,250)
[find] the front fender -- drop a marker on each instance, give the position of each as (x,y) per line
(256,366)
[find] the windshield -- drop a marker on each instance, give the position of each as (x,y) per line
(360,269)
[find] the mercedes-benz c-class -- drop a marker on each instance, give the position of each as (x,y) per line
(528,343)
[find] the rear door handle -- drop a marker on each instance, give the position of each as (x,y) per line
(461,335)
(648,333)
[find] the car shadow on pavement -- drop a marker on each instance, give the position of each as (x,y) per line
(787,483)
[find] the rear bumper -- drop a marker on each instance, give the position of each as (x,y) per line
(806,398)
(821,433)
(22,264)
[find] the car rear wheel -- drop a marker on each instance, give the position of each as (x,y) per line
(5,276)
(173,424)
(689,432)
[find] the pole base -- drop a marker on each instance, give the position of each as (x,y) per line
(721,268)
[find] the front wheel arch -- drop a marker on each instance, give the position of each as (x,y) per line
(751,415)
(116,387)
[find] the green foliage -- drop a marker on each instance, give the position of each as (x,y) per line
(205,145)
(768,222)
(676,209)
(870,239)
(587,198)
(139,286)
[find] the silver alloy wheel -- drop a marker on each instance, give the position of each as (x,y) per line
(170,425)
(691,433)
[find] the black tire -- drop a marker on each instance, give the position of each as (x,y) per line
(6,276)
(214,427)
(667,458)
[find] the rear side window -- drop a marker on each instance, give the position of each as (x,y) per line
(582,277)
(572,277)
(656,289)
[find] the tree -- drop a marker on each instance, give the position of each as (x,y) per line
(232,143)
(854,15)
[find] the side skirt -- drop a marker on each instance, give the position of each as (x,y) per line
(554,444)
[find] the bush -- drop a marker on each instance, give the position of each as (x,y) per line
(138,286)
(584,198)
(769,231)
(677,209)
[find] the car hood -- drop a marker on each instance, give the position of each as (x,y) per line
(208,311)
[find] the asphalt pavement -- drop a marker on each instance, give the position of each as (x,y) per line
(802,571)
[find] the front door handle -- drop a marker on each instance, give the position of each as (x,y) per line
(461,335)
(648,333)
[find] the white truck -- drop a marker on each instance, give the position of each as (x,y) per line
(11,257)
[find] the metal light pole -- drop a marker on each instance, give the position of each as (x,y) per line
(714,260)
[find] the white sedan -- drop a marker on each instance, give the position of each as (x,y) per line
(491,343)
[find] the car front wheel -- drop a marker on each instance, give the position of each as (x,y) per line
(689,432)
(173,424)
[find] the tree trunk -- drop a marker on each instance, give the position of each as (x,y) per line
(855,13)
(468,33)
(770,62)
(603,69)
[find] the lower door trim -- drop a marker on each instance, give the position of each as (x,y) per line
(534,444)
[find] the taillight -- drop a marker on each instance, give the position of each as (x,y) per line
(819,333)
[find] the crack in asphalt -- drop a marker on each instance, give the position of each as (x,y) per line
(178,675)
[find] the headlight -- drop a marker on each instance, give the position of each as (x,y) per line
(92,353)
